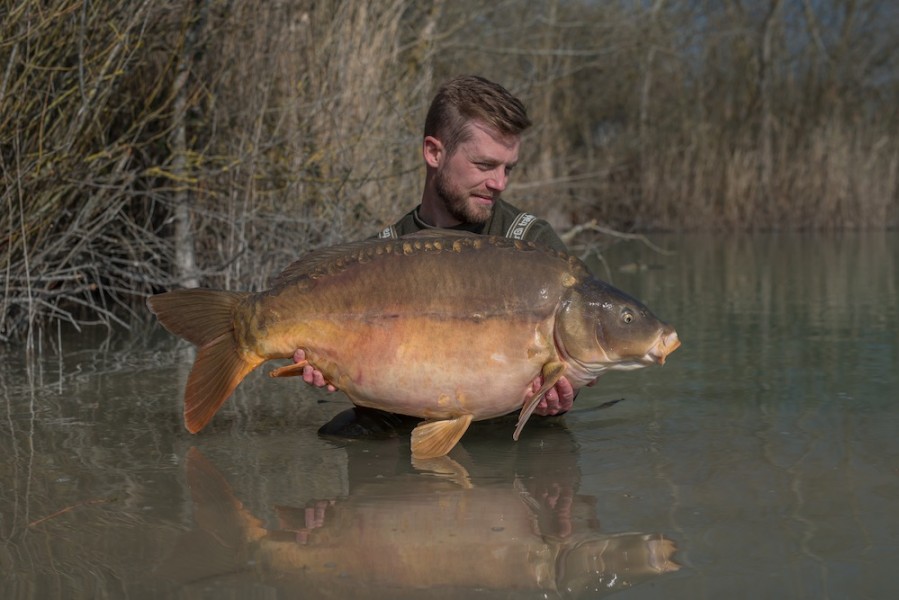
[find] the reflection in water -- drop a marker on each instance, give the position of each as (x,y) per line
(768,451)
(432,529)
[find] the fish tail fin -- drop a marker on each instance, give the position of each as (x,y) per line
(216,508)
(206,319)
(226,530)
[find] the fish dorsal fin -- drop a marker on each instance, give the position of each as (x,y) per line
(325,259)
(436,438)
(336,258)
(552,372)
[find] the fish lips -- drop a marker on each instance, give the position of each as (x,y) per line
(666,344)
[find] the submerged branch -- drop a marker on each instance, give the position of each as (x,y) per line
(593,226)
(68,509)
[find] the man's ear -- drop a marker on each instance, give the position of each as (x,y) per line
(433,151)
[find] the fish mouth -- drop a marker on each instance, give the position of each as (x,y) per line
(665,345)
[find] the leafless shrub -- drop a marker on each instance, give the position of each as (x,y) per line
(147,145)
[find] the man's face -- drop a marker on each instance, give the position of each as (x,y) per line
(471,179)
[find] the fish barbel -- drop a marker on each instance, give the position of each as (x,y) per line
(449,328)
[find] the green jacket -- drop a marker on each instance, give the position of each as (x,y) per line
(506,221)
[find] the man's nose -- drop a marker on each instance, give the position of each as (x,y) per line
(498,179)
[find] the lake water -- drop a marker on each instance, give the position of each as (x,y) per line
(762,461)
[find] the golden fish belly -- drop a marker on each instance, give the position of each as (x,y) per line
(454,529)
(430,367)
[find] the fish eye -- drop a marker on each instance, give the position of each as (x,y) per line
(627,317)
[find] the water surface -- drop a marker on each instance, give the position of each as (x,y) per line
(761,461)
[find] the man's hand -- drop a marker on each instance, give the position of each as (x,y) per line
(311,375)
(557,400)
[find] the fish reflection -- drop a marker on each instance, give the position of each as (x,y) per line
(431,529)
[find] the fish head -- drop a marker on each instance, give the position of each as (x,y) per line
(606,563)
(599,327)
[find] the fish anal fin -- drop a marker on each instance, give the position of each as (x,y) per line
(444,467)
(436,438)
(552,373)
(293,370)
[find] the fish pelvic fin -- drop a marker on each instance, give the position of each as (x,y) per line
(552,373)
(206,319)
(436,438)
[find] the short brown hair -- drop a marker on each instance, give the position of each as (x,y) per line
(468,98)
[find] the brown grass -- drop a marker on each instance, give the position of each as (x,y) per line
(149,145)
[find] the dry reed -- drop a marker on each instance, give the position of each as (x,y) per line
(147,145)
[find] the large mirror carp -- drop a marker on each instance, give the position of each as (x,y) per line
(448,328)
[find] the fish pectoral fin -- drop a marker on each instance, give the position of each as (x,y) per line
(552,373)
(294,370)
(436,438)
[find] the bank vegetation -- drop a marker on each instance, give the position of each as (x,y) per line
(146,145)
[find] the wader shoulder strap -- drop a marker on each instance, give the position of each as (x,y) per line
(388,232)
(520,226)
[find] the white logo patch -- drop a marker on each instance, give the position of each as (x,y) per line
(519,228)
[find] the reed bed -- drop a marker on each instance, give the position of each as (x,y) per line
(150,145)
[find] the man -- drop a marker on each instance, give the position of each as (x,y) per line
(471,141)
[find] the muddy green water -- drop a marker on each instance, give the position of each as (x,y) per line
(762,461)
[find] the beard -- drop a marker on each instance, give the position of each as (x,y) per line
(457,202)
